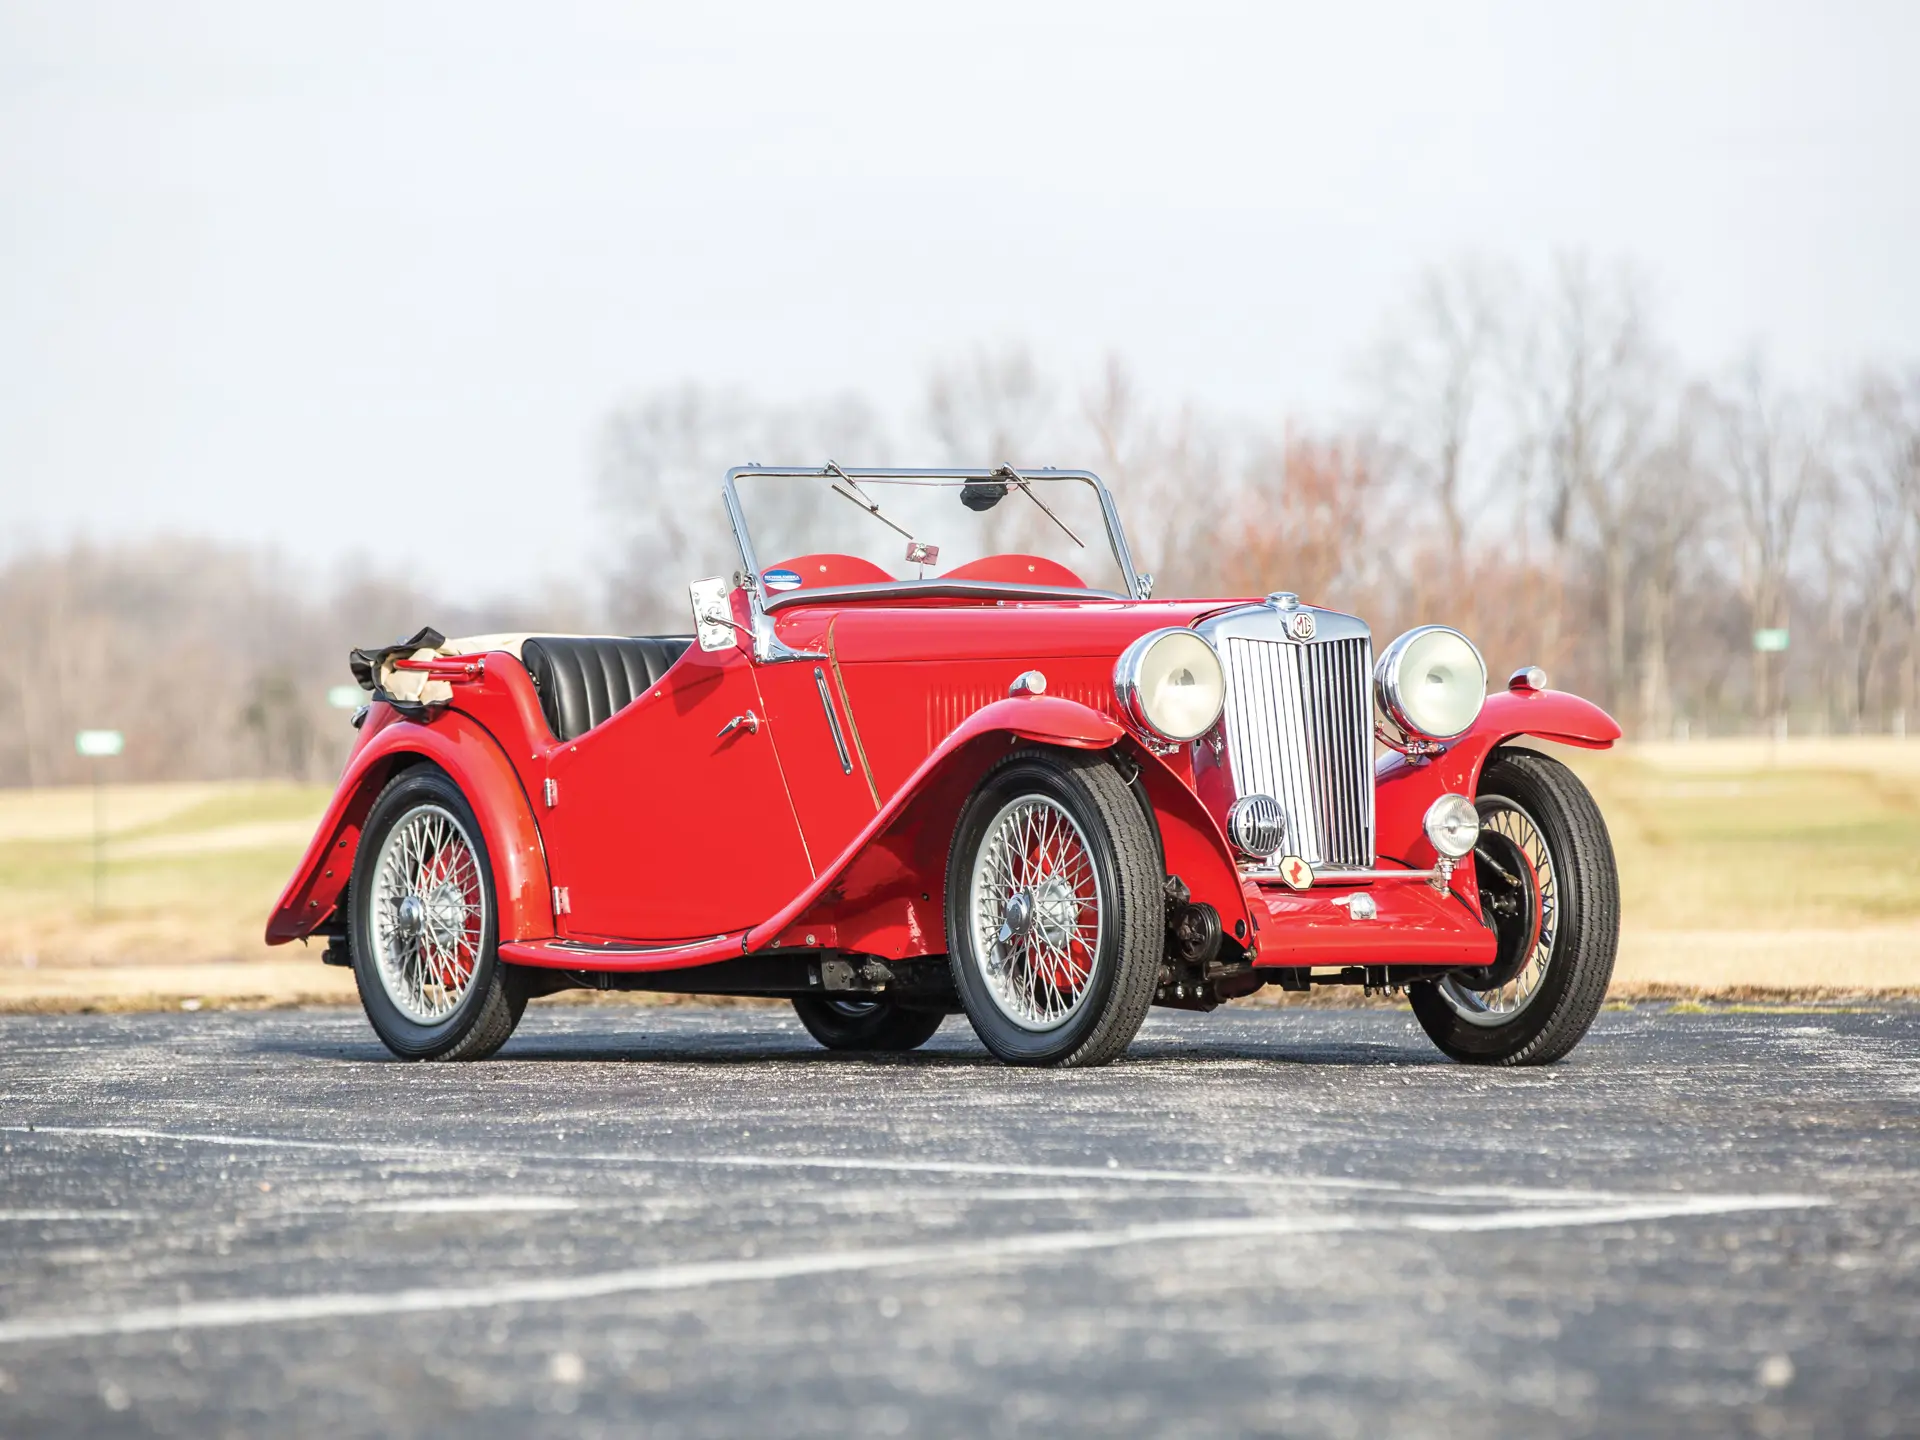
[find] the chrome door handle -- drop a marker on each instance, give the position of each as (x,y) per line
(749,722)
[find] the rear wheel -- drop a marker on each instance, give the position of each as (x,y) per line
(423,926)
(1056,913)
(865,1024)
(1551,895)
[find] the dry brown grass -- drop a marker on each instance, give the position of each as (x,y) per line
(1748,869)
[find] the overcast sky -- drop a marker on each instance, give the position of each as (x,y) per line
(343,276)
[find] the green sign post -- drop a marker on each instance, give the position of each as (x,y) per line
(98,745)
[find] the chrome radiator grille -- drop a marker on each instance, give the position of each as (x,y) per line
(1300,728)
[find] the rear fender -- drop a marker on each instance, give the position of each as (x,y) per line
(1405,788)
(463,748)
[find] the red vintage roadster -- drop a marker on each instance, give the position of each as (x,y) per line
(947,754)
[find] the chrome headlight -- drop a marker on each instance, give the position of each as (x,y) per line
(1431,682)
(1169,682)
(1452,825)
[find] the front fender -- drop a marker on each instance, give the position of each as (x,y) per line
(1405,788)
(463,748)
(1045,718)
(885,892)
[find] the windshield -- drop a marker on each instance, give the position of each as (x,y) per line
(867,528)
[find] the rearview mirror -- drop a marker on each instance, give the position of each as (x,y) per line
(713,618)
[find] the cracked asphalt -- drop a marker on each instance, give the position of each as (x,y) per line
(691,1221)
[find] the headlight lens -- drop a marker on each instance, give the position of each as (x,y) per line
(1453,825)
(1170,682)
(1431,682)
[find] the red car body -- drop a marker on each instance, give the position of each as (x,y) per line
(669,839)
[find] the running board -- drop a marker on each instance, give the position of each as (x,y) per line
(621,954)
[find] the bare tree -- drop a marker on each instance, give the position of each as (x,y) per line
(1773,466)
(1596,393)
(661,460)
(1879,481)
(991,408)
(1433,377)
(1672,505)
(1168,475)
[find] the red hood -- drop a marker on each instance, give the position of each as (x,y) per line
(1020,630)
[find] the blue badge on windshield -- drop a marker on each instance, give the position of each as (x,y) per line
(782,579)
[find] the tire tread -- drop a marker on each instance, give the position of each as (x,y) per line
(1588,869)
(1137,906)
(504,1000)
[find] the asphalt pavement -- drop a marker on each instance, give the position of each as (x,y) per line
(693,1222)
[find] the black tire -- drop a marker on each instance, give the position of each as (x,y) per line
(486,1013)
(1578,920)
(1121,852)
(865,1024)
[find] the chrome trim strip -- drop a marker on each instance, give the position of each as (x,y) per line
(1367,877)
(853,722)
(833,721)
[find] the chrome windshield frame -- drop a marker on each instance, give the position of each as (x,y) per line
(768,647)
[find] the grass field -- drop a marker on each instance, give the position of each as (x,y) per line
(1746,868)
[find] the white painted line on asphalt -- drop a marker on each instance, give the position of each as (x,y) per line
(294,1309)
(128,1132)
(470,1204)
(963,1168)
(1679,1207)
(1237,1178)
(29,1215)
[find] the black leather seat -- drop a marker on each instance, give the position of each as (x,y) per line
(584,680)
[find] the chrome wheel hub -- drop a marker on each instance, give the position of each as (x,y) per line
(427,916)
(1521,841)
(1038,913)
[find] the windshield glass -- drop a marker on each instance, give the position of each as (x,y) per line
(1038,530)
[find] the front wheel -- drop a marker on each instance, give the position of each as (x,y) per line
(1551,894)
(865,1024)
(423,926)
(1056,910)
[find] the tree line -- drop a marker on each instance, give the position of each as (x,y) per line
(1524,457)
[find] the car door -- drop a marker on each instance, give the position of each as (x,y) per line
(660,826)
(822,752)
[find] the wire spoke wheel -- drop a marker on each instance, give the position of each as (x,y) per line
(1550,896)
(428,912)
(1037,913)
(1515,850)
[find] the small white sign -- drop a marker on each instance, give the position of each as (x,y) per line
(346,697)
(99,742)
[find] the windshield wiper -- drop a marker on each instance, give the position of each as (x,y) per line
(861,498)
(1016,478)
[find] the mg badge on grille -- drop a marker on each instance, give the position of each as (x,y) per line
(1300,625)
(1296,872)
